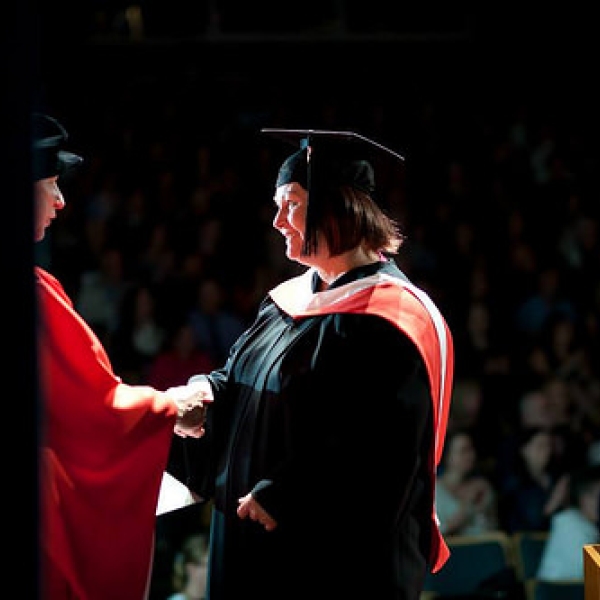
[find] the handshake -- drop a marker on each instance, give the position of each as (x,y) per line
(191,401)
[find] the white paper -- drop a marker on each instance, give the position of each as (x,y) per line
(173,495)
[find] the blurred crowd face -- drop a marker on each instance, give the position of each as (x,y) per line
(535,410)
(537,452)
(461,455)
(197,575)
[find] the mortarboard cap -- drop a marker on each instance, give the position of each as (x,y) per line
(327,160)
(49,157)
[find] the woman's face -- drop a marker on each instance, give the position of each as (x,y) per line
(291,200)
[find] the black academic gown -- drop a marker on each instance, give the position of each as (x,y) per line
(328,421)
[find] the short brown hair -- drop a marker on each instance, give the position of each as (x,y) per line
(350,218)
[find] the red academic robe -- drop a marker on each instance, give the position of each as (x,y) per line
(104,447)
(412,311)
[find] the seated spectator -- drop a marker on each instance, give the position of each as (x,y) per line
(100,293)
(546,302)
(572,528)
(140,334)
(189,569)
(467,399)
(532,411)
(179,359)
(466,501)
(470,410)
(216,327)
(533,489)
(570,435)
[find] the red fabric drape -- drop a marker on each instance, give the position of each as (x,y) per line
(104,449)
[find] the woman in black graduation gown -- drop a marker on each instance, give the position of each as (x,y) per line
(329,415)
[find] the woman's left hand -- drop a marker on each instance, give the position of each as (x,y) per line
(250,508)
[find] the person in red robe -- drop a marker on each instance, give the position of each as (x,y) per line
(104,444)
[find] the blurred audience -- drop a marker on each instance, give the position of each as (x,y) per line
(139,335)
(180,358)
(101,292)
(215,326)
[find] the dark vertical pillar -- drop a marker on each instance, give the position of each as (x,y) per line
(19,381)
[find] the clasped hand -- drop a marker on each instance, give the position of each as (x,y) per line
(191,401)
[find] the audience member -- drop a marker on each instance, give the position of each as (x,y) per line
(572,528)
(532,489)
(547,301)
(215,326)
(467,400)
(140,334)
(179,359)
(101,292)
(190,569)
(466,501)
